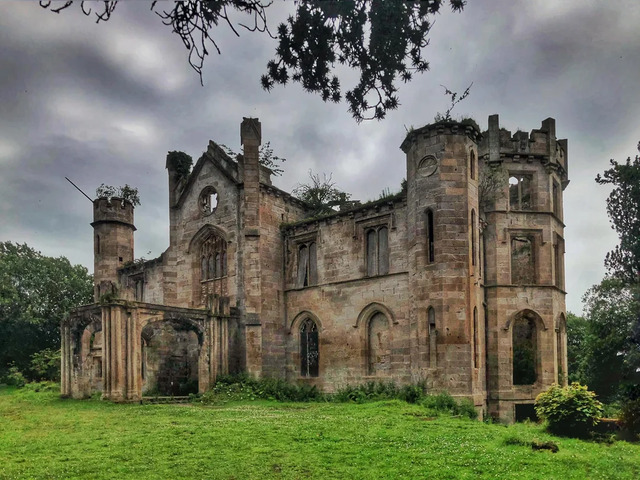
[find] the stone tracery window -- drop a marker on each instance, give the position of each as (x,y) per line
(213,254)
(309,349)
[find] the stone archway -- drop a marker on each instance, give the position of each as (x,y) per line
(170,357)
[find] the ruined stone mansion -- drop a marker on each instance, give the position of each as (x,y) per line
(457,282)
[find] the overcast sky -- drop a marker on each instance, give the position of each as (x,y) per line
(104,103)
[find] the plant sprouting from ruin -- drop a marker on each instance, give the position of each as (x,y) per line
(126,192)
(180,162)
(455,99)
(265,157)
(491,186)
(321,194)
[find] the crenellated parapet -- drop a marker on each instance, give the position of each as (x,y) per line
(466,127)
(540,145)
(113,210)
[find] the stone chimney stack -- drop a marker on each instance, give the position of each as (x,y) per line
(250,138)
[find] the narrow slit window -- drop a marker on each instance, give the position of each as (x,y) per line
(473,237)
(430,237)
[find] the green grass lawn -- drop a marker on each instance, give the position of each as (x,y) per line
(43,436)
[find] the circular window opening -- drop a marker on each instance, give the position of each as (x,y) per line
(208,200)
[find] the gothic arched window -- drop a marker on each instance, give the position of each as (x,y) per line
(213,253)
(309,351)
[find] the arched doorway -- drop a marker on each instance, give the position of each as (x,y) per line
(170,357)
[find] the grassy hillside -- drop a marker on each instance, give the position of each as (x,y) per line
(42,436)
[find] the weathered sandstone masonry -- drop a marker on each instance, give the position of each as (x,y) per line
(456,282)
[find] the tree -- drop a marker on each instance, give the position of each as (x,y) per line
(610,359)
(321,195)
(36,292)
(623,207)
(382,39)
(577,328)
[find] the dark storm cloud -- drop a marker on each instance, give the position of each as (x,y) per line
(104,103)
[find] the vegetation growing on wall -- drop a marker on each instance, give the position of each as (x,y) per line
(126,192)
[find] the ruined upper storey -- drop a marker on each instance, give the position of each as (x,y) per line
(540,145)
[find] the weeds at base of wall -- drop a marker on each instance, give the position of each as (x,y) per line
(232,388)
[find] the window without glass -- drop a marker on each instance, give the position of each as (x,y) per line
(208,200)
(473,237)
(472,165)
(476,342)
(520,192)
(430,238)
(309,354)
(561,336)
(307,265)
(377,251)
(524,337)
(558,251)
(523,268)
(556,199)
(431,318)
(139,289)
(213,255)
(378,349)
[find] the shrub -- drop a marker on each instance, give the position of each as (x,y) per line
(630,418)
(571,411)
(15,377)
(45,364)
(445,403)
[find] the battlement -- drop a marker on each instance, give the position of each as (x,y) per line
(113,210)
(541,144)
(466,127)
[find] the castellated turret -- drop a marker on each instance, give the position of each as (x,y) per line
(442,203)
(112,242)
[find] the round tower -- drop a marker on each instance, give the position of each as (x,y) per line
(443,238)
(112,242)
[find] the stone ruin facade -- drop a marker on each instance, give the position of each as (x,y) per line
(457,282)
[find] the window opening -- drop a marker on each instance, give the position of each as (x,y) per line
(523,270)
(520,194)
(208,200)
(309,354)
(558,251)
(556,199)
(560,349)
(430,237)
(431,317)
(377,251)
(98,244)
(524,338)
(476,342)
(473,237)
(214,258)
(307,265)
(472,165)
